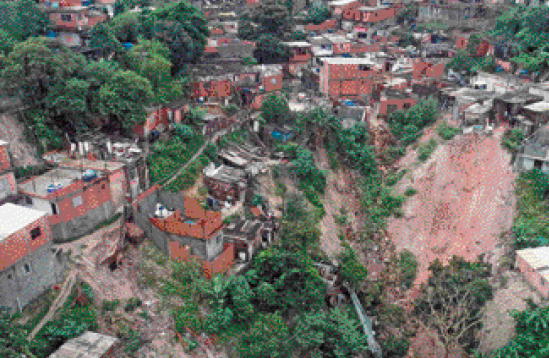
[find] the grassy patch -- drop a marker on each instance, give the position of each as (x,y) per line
(512,140)
(168,157)
(529,227)
(410,192)
(394,178)
(189,176)
(408,268)
(447,132)
(425,150)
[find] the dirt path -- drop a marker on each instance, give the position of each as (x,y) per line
(499,326)
(11,130)
(465,200)
(339,194)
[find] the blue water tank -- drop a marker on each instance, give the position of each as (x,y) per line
(53,187)
(51,34)
(127,45)
(89,175)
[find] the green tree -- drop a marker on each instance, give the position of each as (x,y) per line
(318,12)
(13,342)
(295,280)
(32,68)
(269,49)
(151,60)
(329,334)
(31,20)
(300,236)
(124,98)
(275,109)
(7,42)
(268,337)
(408,268)
(183,28)
(453,300)
(532,338)
(70,101)
(270,17)
(352,270)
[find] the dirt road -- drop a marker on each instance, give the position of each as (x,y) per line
(465,200)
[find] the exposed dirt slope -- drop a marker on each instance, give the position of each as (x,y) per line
(465,200)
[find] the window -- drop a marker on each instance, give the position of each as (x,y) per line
(273,81)
(66,18)
(391,108)
(26,269)
(406,105)
(77,201)
(364,68)
(10,277)
(54,209)
(35,233)
(543,281)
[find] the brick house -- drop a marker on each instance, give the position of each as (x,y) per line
(428,70)
(383,14)
(28,265)
(8,185)
(225,183)
(327,26)
(533,264)
(247,237)
(347,77)
(183,230)
(340,7)
(70,23)
(89,344)
(394,101)
(76,202)
(300,54)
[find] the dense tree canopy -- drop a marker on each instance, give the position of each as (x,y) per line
(32,68)
(275,109)
(331,334)
(318,12)
(31,21)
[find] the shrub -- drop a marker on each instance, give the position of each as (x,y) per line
(395,347)
(410,192)
(110,305)
(184,131)
(426,150)
(447,132)
(313,198)
(30,171)
(394,178)
(512,140)
(409,268)
(132,304)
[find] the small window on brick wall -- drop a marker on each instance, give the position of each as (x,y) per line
(66,18)
(36,232)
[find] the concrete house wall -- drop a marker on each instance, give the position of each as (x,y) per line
(533,276)
(17,286)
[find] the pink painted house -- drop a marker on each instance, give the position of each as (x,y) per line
(300,54)
(533,264)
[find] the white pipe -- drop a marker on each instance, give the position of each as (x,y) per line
(80,148)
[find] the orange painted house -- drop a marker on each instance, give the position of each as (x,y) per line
(347,77)
(8,185)
(339,7)
(183,230)
(300,54)
(74,18)
(326,26)
(376,14)
(75,203)
(533,264)
(427,70)
(27,264)
(393,101)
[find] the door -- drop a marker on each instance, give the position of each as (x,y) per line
(117,192)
